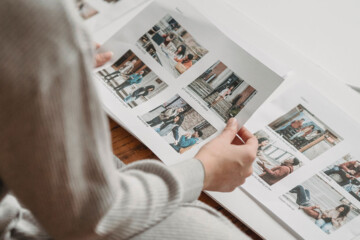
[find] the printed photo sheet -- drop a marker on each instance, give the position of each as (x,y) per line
(307,170)
(175,80)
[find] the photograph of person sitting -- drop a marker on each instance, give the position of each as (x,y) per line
(172,46)
(346,173)
(274,160)
(187,140)
(305,132)
(275,174)
(224,92)
(179,124)
(140,92)
(131,80)
(322,204)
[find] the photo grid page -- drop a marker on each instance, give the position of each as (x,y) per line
(307,169)
(173,85)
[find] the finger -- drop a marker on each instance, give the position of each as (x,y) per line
(230,130)
(97,45)
(249,139)
(103,58)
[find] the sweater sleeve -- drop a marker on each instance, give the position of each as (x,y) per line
(55,151)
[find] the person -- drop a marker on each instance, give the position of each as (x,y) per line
(186,62)
(135,78)
(126,69)
(222,95)
(169,37)
(187,140)
(140,92)
(262,142)
(292,128)
(324,219)
(303,132)
(56,155)
(180,52)
(167,114)
(272,176)
(347,171)
(171,125)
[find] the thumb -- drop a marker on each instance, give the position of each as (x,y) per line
(230,131)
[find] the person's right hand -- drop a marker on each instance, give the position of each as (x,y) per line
(226,160)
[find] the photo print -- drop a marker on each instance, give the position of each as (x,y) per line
(305,132)
(346,173)
(179,124)
(273,161)
(172,46)
(112,1)
(322,204)
(132,80)
(85,9)
(225,93)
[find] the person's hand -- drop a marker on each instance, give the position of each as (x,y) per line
(187,135)
(352,172)
(226,160)
(102,58)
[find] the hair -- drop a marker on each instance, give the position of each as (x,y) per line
(296,162)
(148,87)
(318,131)
(345,212)
(190,56)
(263,139)
(200,133)
(312,125)
(183,50)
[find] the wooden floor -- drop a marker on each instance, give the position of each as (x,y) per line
(129,149)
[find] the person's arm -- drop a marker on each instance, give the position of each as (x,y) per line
(345,165)
(56,152)
(273,172)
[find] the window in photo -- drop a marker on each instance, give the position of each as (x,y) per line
(225,93)
(179,124)
(132,81)
(322,204)
(273,161)
(346,173)
(305,132)
(172,46)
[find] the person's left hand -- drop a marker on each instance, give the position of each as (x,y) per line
(102,58)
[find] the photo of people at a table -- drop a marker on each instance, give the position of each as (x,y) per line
(305,132)
(132,80)
(273,161)
(322,204)
(346,173)
(172,46)
(225,93)
(179,124)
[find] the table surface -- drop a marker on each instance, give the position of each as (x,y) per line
(129,149)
